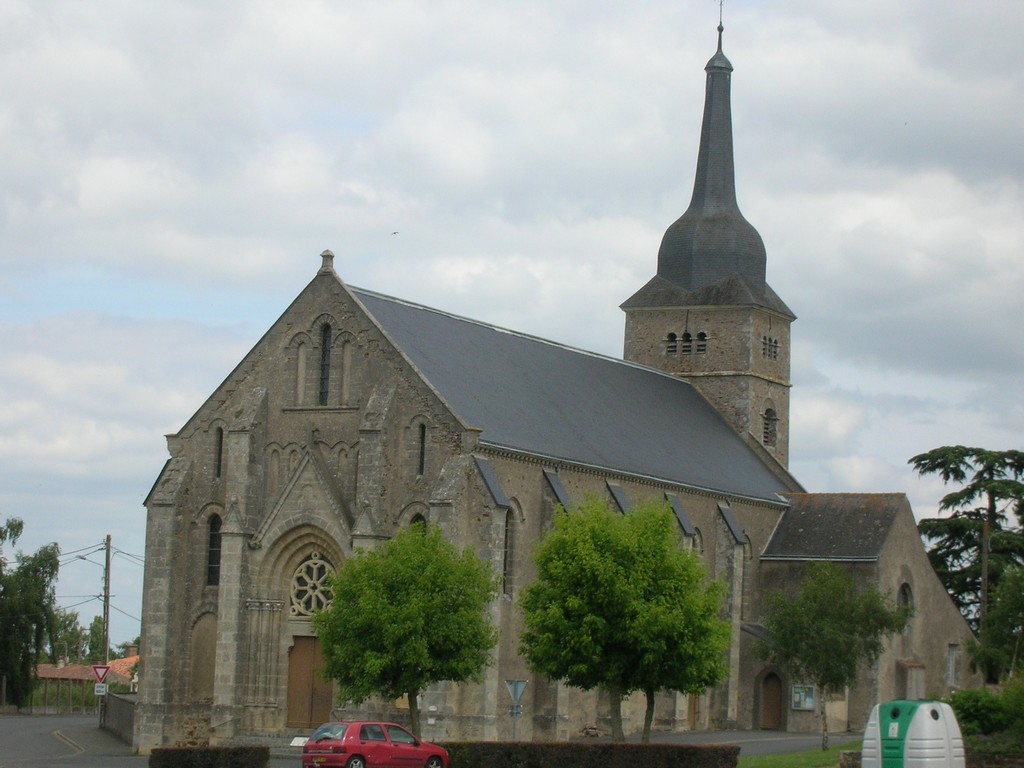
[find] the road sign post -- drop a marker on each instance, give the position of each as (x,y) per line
(515,690)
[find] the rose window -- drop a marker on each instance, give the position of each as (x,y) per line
(311,589)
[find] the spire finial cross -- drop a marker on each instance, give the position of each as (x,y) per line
(721,28)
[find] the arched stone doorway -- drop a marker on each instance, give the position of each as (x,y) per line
(771,702)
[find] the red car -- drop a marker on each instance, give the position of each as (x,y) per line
(370,745)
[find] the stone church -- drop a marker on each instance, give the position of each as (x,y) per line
(358,414)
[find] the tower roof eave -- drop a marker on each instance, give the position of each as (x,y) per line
(732,290)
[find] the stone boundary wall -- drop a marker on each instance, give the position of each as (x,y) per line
(119,715)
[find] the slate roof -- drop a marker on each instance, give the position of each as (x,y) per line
(733,290)
(835,526)
(563,404)
(712,239)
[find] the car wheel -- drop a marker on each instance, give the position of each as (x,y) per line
(355,762)
(434,762)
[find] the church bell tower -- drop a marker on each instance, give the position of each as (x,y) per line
(708,315)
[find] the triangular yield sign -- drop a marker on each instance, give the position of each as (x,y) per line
(100,670)
(515,689)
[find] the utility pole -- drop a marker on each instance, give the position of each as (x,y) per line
(106,604)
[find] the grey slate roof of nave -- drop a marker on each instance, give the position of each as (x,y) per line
(545,399)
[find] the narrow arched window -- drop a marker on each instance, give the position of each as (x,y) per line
(687,343)
(346,373)
(905,600)
(771,427)
(213,551)
(702,343)
(325,364)
(422,461)
(508,557)
(301,361)
(419,520)
(218,452)
(274,471)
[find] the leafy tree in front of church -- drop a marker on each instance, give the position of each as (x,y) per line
(27,610)
(981,537)
(828,630)
(406,615)
(619,605)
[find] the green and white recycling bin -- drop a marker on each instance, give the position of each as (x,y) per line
(912,734)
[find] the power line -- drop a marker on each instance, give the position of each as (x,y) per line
(128,554)
(66,608)
(125,613)
(93,547)
(58,609)
(69,560)
(134,559)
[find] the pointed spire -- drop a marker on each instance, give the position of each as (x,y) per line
(712,240)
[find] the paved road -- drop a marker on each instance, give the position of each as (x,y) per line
(35,741)
(77,741)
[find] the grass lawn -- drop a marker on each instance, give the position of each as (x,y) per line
(814,758)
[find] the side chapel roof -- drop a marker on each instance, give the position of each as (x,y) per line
(835,526)
(537,397)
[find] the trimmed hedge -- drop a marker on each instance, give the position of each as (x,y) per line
(210,757)
(994,761)
(525,754)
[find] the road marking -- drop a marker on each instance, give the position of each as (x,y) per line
(79,749)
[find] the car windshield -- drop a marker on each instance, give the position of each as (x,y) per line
(329,731)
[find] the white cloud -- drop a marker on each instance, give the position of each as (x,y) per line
(172,173)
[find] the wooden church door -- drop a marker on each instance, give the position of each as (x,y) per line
(771,702)
(309,695)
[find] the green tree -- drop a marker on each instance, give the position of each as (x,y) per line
(824,633)
(405,615)
(94,650)
(1000,650)
(68,638)
(618,605)
(971,547)
(27,609)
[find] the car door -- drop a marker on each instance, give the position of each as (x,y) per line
(405,748)
(374,745)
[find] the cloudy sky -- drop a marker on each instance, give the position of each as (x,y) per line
(170,173)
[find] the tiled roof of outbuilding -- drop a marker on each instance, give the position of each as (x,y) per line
(120,671)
